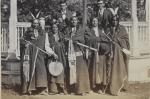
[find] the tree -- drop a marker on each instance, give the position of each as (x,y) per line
(46,7)
(50,7)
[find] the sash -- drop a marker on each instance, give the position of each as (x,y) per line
(72,62)
(26,64)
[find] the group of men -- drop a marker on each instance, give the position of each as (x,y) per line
(93,58)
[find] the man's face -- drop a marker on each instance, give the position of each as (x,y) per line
(95,22)
(5,8)
(55,28)
(42,22)
(74,21)
(63,6)
(115,21)
(101,5)
(35,23)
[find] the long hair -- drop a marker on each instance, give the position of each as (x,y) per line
(91,20)
(78,22)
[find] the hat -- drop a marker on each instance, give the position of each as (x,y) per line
(63,3)
(55,68)
(74,14)
(100,1)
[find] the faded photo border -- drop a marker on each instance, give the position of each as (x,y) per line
(137,50)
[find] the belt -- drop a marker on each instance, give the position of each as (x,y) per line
(78,53)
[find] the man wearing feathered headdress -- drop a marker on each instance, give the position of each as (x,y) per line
(35,46)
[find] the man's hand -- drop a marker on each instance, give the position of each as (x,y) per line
(33,38)
(55,56)
(115,39)
(27,44)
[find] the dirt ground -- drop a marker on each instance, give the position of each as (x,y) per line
(134,91)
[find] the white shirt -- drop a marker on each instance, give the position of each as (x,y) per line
(36,34)
(96,31)
(56,37)
(73,30)
(47,45)
(101,11)
(64,14)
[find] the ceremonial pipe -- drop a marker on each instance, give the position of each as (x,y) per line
(83,45)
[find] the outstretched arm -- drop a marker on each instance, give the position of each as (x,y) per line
(47,47)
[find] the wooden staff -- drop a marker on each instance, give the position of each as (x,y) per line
(127,52)
(36,46)
(35,59)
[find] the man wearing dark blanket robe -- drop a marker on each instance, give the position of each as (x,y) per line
(119,68)
(79,76)
(34,75)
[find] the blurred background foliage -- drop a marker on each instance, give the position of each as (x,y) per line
(51,7)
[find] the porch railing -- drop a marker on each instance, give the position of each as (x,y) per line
(143,39)
(143,36)
(4,37)
(128,27)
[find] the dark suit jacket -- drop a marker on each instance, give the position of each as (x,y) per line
(104,18)
(65,23)
(68,13)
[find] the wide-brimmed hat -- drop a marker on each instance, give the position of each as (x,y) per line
(100,1)
(63,3)
(55,68)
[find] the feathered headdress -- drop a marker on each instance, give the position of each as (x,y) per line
(35,17)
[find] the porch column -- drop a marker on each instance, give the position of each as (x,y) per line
(13,29)
(135,28)
(147,10)
(148,18)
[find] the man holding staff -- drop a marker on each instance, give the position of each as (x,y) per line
(79,76)
(119,53)
(35,74)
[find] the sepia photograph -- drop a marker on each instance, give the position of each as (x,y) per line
(75,49)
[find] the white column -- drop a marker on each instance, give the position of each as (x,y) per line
(147,10)
(148,18)
(12,28)
(135,28)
